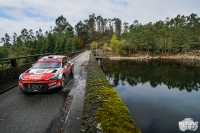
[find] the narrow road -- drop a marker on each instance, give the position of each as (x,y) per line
(35,113)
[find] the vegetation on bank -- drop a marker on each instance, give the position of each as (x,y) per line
(103,109)
(179,34)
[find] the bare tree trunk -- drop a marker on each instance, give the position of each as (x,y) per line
(146,47)
(165,45)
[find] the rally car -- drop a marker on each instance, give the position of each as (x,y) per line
(47,74)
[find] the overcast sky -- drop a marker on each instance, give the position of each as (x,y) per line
(34,14)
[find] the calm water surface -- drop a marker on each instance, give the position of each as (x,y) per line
(158,93)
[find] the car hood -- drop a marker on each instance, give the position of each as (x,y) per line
(39,74)
(42,71)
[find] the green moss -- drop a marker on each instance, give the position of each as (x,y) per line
(112,116)
(88,127)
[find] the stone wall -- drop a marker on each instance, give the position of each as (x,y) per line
(104,112)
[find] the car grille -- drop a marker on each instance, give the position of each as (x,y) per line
(32,87)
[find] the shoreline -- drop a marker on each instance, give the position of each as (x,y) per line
(193,55)
(152,57)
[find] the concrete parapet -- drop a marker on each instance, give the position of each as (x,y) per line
(104,112)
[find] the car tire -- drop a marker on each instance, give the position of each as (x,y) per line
(72,72)
(63,82)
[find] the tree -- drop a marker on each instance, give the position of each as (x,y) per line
(93,45)
(103,24)
(113,42)
(7,40)
(74,43)
(60,42)
(14,38)
(121,47)
(135,24)
(80,43)
(2,40)
(3,52)
(24,34)
(192,19)
(92,26)
(31,35)
(99,21)
(68,45)
(62,26)
(110,29)
(126,27)
(82,31)
(51,43)
(118,24)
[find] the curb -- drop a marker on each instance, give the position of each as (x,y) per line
(7,89)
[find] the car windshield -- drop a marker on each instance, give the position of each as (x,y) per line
(47,65)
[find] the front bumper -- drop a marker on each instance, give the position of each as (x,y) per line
(39,86)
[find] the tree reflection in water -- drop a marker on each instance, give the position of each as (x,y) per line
(179,74)
(142,86)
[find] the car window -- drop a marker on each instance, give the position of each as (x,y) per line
(64,61)
(68,59)
(46,65)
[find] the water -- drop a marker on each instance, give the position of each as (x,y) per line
(158,93)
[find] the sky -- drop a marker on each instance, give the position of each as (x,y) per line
(34,14)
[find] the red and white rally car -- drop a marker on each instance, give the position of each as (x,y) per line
(48,74)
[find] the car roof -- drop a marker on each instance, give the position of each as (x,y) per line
(51,58)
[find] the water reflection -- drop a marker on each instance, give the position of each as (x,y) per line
(156,92)
(172,73)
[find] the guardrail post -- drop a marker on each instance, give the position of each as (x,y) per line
(13,63)
(36,58)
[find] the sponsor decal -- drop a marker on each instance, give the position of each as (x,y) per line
(188,124)
(49,70)
(35,76)
(39,71)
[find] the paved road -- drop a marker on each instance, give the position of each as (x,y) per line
(34,113)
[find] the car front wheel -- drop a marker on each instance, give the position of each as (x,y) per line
(72,72)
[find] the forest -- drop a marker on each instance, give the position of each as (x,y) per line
(178,34)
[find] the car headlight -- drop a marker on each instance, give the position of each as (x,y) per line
(60,76)
(20,77)
(55,77)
